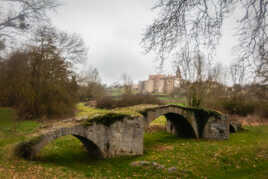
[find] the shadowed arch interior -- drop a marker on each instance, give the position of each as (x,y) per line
(232,129)
(92,148)
(30,149)
(182,127)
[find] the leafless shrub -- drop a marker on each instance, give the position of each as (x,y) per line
(126,100)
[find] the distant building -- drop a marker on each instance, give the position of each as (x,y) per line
(160,83)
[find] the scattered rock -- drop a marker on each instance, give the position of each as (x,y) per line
(161,166)
(139,163)
(44,126)
(158,166)
(155,164)
(172,169)
(145,162)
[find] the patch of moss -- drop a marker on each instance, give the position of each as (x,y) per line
(109,118)
(205,111)
(106,119)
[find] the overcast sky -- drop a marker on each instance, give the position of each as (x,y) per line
(112,29)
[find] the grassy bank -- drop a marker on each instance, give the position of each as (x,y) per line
(244,155)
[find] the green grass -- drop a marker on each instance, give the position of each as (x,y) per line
(160,121)
(11,131)
(244,155)
(174,99)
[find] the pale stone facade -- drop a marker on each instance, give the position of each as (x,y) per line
(160,84)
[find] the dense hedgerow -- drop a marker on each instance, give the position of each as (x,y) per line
(126,100)
(37,80)
(239,105)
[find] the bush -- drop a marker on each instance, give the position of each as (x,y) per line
(37,85)
(126,100)
(239,105)
(106,102)
(91,91)
(262,109)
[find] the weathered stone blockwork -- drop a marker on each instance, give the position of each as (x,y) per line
(125,136)
(217,129)
(196,123)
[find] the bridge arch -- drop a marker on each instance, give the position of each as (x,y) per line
(32,148)
(180,126)
(179,122)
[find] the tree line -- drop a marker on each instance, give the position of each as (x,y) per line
(38,76)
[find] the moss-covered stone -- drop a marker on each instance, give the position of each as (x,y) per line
(200,111)
(109,118)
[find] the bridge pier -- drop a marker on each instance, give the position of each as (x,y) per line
(217,129)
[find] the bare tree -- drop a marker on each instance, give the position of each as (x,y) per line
(127,83)
(262,68)
(237,72)
(216,73)
(90,75)
(193,67)
(71,47)
(192,76)
(90,86)
(19,15)
(199,77)
(197,24)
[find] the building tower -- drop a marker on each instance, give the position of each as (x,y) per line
(178,73)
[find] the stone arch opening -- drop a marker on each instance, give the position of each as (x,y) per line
(179,125)
(31,149)
(176,124)
(93,150)
(232,129)
(68,148)
(158,124)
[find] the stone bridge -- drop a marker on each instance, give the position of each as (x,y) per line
(121,132)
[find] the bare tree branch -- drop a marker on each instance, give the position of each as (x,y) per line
(19,16)
(197,24)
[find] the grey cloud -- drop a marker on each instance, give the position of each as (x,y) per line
(113,30)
